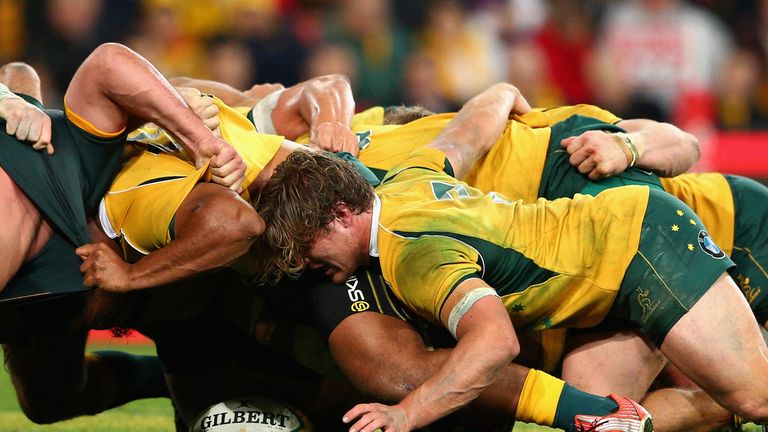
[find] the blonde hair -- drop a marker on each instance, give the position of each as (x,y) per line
(300,201)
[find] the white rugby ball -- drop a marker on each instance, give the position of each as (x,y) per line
(251,414)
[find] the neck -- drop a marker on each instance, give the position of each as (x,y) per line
(364,235)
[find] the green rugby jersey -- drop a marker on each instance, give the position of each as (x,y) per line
(554,263)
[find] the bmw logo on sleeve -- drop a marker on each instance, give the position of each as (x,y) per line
(709,246)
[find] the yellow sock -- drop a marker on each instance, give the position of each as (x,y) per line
(539,398)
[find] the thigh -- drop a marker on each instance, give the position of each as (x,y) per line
(611,361)
(750,242)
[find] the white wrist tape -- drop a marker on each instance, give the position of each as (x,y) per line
(7,94)
(262,112)
(464,304)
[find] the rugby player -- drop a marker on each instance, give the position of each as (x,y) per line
(52,195)
(380,142)
(439,256)
(593,151)
(722,201)
(172,224)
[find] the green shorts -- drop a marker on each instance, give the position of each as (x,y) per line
(750,242)
(67,186)
(53,272)
(676,263)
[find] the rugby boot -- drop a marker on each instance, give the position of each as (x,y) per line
(630,417)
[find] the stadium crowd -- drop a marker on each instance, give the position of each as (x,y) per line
(439,216)
(418,52)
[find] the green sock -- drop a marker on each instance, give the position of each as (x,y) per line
(574,401)
(137,376)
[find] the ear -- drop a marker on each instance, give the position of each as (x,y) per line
(344,216)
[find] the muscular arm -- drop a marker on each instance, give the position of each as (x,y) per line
(478,125)
(213,227)
(386,358)
(308,105)
(663,147)
(228,94)
(115,88)
(486,343)
(322,107)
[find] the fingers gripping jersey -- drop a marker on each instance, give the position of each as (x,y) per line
(515,164)
(551,262)
(142,202)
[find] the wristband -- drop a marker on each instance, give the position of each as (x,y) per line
(262,112)
(630,148)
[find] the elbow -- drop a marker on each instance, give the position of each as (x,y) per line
(508,350)
(229,219)
(505,349)
(110,51)
(335,79)
(108,57)
(693,144)
(244,225)
(332,83)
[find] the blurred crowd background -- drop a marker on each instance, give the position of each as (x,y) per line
(699,63)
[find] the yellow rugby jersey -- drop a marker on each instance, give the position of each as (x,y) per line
(709,196)
(551,262)
(514,166)
(143,199)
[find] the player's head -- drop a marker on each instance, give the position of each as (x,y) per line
(401,114)
(311,206)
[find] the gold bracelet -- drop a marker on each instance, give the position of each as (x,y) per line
(627,143)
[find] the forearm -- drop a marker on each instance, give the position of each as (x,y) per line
(228,94)
(662,147)
(184,258)
(323,99)
(460,380)
(115,84)
(477,126)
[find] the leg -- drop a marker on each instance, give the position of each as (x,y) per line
(684,410)
(56,380)
(622,362)
(719,346)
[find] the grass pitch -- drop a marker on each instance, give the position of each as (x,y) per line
(149,415)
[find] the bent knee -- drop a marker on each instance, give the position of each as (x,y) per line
(752,405)
(43,414)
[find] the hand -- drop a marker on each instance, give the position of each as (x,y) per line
(596,154)
(202,104)
(374,416)
(334,137)
(521,105)
(27,123)
(259,91)
(102,267)
(227,167)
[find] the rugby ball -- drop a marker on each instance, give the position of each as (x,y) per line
(251,414)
